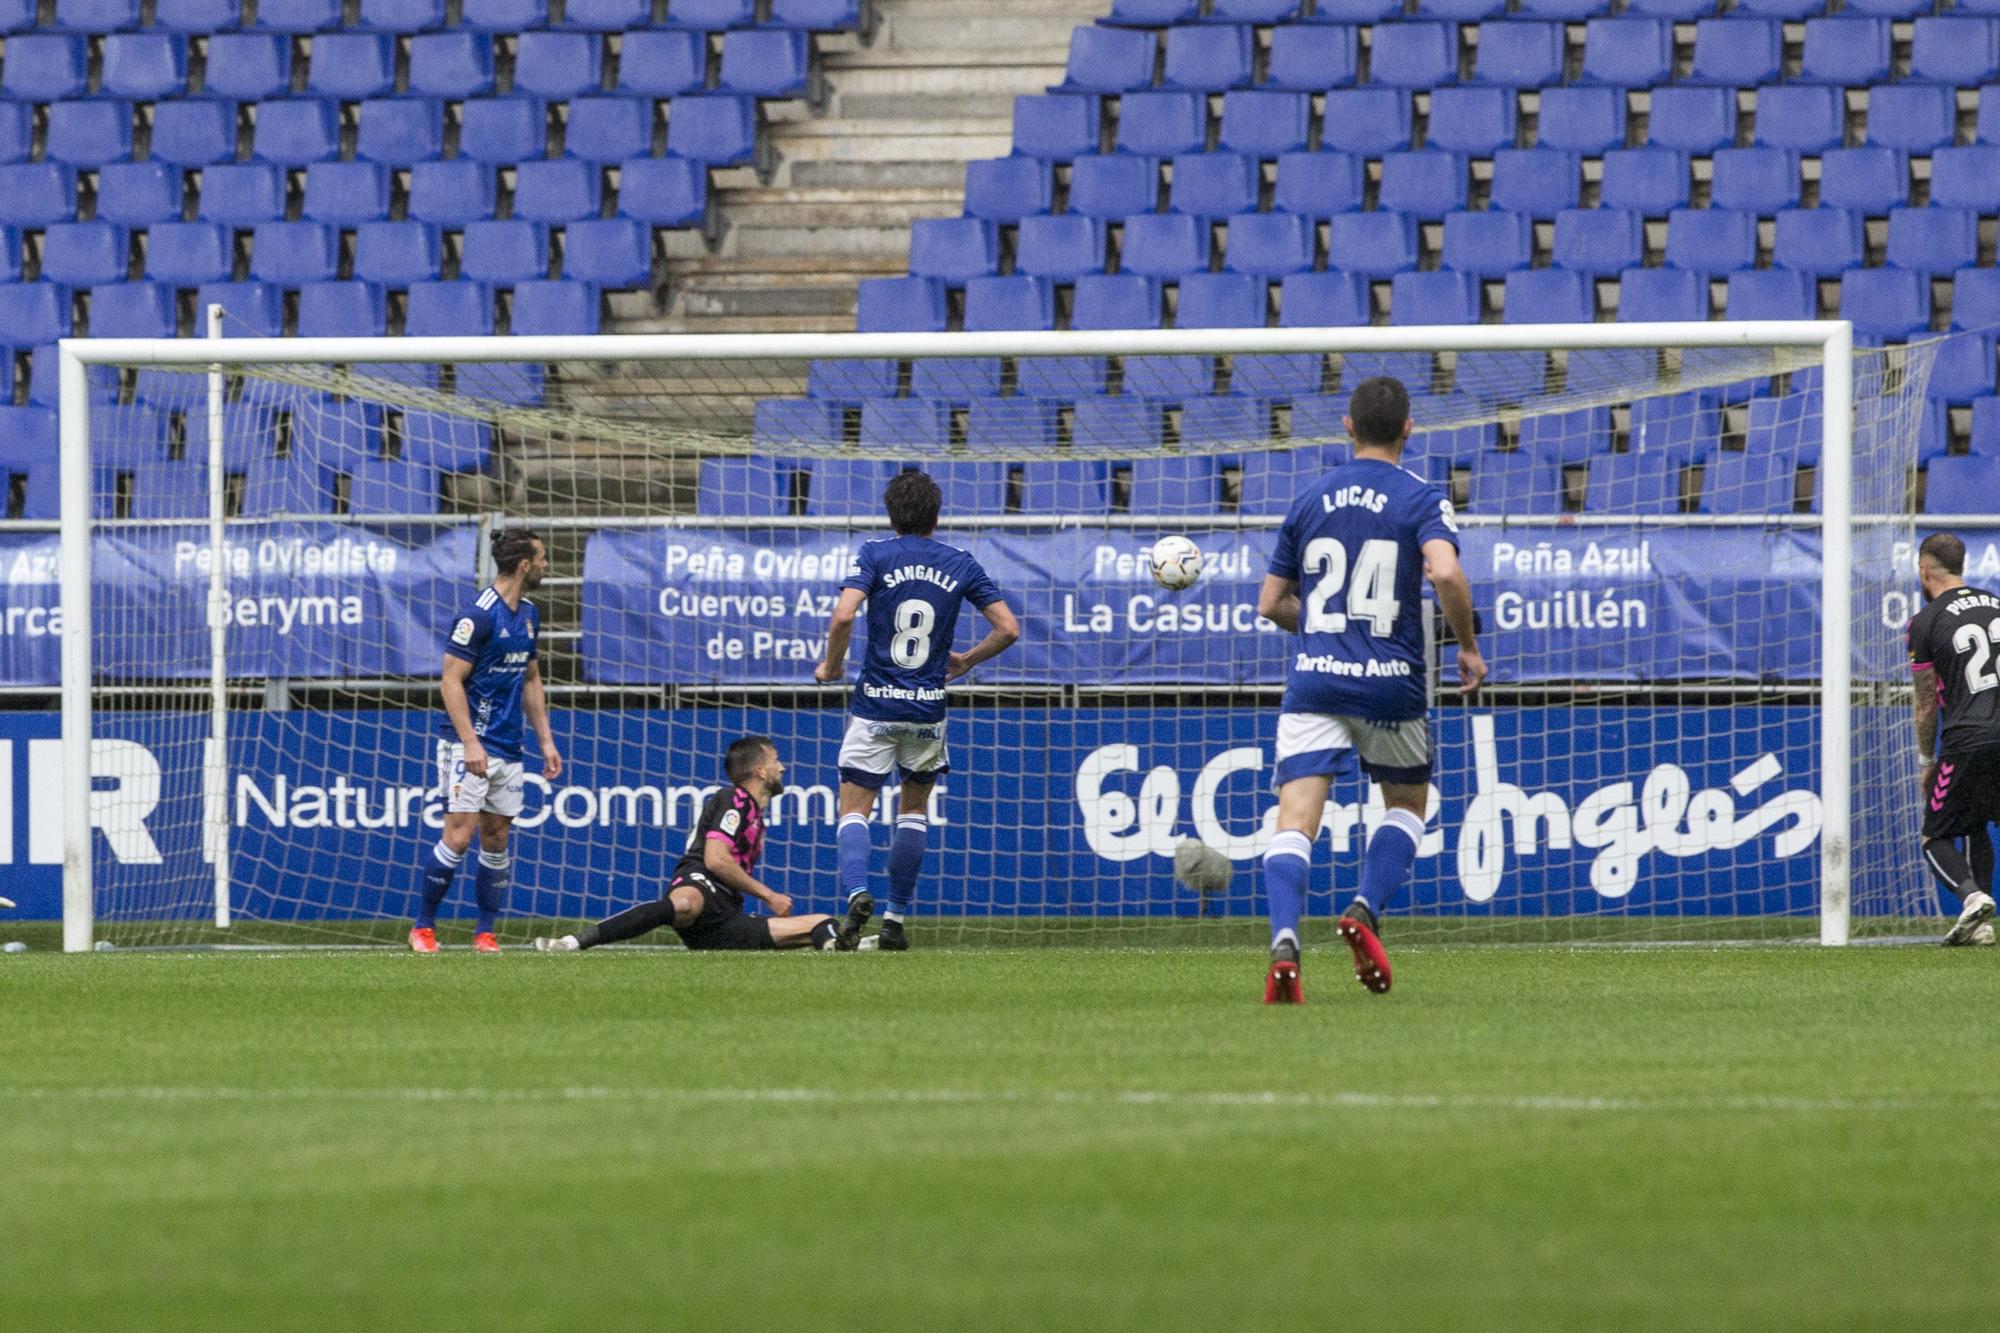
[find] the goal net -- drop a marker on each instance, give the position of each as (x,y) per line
(1683,738)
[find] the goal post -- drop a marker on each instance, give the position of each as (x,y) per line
(1069,834)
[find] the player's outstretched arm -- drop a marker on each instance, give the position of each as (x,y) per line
(839,631)
(722,867)
(1278,602)
(1924,678)
(452,686)
(535,700)
(1454,594)
(1004,634)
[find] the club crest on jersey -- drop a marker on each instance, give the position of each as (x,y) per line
(461,633)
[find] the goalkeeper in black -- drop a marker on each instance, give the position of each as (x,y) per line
(1955,664)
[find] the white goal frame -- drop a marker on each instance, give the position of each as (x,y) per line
(1833,339)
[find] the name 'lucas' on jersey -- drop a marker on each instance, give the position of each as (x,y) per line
(915,587)
(499,643)
(1354,545)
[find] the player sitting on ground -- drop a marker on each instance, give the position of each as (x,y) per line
(491,677)
(1362,538)
(1954,644)
(913,586)
(704,900)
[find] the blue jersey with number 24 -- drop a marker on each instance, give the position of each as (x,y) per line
(914,586)
(1354,544)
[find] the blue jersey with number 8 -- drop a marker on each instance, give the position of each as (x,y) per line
(914,586)
(1354,544)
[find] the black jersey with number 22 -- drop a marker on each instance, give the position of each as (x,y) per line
(1958,637)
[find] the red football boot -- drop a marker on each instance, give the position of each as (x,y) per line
(423,940)
(1371,961)
(485,942)
(1281,983)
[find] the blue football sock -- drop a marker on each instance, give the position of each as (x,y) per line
(1286,866)
(489,886)
(852,839)
(906,862)
(440,864)
(1391,852)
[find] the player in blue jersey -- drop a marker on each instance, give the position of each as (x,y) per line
(492,680)
(1359,544)
(913,586)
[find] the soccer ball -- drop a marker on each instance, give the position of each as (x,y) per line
(1175,561)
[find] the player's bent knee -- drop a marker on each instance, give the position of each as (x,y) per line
(687,906)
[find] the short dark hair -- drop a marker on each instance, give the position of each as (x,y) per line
(1379,407)
(512,548)
(913,501)
(1946,551)
(744,755)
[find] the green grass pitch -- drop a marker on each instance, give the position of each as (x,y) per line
(1684,1138)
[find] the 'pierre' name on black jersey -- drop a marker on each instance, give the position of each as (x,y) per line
(1958,637)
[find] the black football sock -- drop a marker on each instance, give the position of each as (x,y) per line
(627,925)
(1980,847)
(824,933)
(1949,865)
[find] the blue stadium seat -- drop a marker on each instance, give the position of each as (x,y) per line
(1306,58)
(1061,248)
(1207,59)
(1273,481)
(1755,180)
(144,66)
(1568,437)
(45,67)
(1870,181)
(169,490)
(1414,55)
(1772,293)
(505,253)
(1103,301)
(1683,427)
(89,134)
(903,423)
(251,309)
(1055,127)
(1474,121)
(1599,241)
(1488,244)
(1116,423)
(607,15)
(1962,372)
(1468,11)
(96,16)
(1007,189)
(1694,120)
(1747,483)
(402,16)
(1006,304)
(10,255)
(193,134)
(397,254)
(1636,483)
(17,131)
(84,254)
(1354,11)
(296,131)
(1519,55)
(188,254)
(448,310)
(1269,244)
(298,15)
(1539,182)
(1368,121)
(1628,52)
(1223,301)
(132,310)
(1150,13)
(1548,296)
(1661,295)
(1822,241)
(34,312)
(343,309)
(1737,53)
(1434,298)
(1845,51)
(1915,117)
(1265,124)
(1106,186)
(558,65)
(291,254)
(1426,183)
(848,488)
(197,16)
(351,66)
(451,194)
(1975,298)
(286,486)
(346,194)
(1963,486)
(771,63)
(1213,185)
(379,486)
(1318,185)
(555,309)
(1885,303)
(1966,177)
(1575,11)
(721,131)
(712,15)
(971,488)
(663,191)
(1933,240)
(1375,245)
(884,305)
(1789,10)
(613,253)
(1801,117)
(1713,241)
(1160,124)
(1986,427)
(786,423)
(456,65)
(1175,486)
(499,130)
(1008,423)
(248,66)
(1164,245)
(1652,182)
(242,194)
(1253,11)
(1955,51)
(1514,484)
(609,129)
(817,15)
(953,248)
(1886,9)
(138,194)
(335,432)
(663,63)
(35,194)
(1323,300)
(1584,119)
(503,15)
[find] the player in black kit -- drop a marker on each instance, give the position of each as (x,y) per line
(1955,661)
(703,901)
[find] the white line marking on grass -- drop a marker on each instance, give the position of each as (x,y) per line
(1555,1104)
